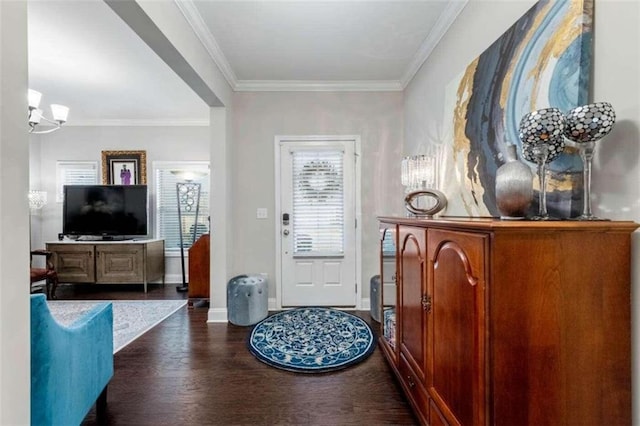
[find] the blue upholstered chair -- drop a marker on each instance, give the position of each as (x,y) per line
(70,366)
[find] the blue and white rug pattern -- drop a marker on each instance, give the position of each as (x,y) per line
(312,340)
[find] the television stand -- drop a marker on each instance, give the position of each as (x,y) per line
(109,262)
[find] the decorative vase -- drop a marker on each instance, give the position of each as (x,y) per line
(514,187)
(586,125)
(541,133)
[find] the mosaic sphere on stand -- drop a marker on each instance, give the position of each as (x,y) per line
(554,149)
(586,125)
(541,126)
(589,123)
(542,136)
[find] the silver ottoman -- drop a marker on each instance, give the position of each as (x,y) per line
(247,299)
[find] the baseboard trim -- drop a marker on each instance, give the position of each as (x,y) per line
(173,279)
(365,304)
(217,315)
(271,303)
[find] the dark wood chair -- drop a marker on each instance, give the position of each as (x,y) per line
(47,274)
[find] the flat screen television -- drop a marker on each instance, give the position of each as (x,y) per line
(106,211)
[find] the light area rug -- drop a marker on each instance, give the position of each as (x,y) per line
(131,318)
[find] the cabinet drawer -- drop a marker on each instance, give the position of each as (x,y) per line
(414,389)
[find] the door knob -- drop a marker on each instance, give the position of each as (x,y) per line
(285,232)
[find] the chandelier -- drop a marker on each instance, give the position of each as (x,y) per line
(59,113)
(37,199)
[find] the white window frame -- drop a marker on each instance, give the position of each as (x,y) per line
(196,166)
(61,176)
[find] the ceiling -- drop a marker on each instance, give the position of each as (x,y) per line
(81,54)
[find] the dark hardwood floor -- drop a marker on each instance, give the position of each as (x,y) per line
(187,372)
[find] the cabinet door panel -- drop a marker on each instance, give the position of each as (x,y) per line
(120,264)
(388,297)
(412,265)
(456,338)
(73,263)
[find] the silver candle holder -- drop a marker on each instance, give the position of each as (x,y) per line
(586,125)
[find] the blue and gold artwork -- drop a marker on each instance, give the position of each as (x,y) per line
(543,60)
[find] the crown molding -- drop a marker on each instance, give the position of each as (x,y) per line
(318,86)
(438,31)
(194,19)
(138,123)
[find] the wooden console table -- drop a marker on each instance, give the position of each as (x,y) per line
(109,262)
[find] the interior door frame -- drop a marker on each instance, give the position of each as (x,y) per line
(358,213)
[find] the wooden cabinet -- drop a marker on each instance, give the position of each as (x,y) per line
(113,262)
(513,323)
(123,263)
(199,268)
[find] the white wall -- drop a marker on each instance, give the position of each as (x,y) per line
(260,116)
(616,78)
(172,143)
(222,202)
(14,217)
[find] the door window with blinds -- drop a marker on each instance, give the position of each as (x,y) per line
(318,203)
(74,173)
(167,221)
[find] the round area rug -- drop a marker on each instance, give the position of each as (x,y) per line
(311,340)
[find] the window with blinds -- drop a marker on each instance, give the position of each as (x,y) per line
(166,204)
(74,173)
(318,203)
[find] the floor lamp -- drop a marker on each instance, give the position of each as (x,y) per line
(188,201)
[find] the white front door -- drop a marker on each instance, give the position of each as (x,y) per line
(317,223)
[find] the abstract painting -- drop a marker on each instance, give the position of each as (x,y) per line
(542,60)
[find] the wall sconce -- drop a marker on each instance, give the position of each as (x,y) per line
(59,113)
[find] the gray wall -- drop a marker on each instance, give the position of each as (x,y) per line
(260,116)
(616,78)
(172,143)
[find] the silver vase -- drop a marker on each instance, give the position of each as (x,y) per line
(514,187)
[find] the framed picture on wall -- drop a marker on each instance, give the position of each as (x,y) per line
(124,167)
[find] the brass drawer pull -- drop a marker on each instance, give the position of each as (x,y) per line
(410,382)
(426,303)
